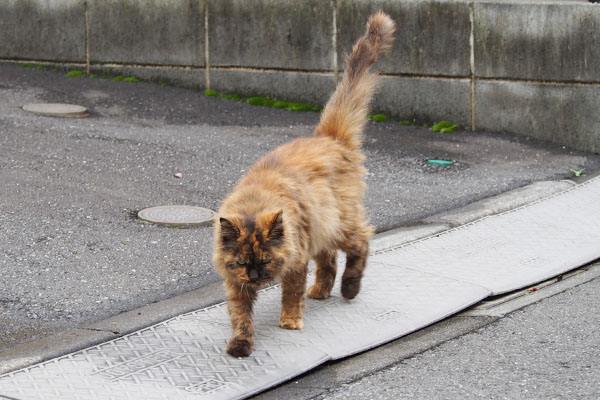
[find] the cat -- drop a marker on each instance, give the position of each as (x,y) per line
(303,201)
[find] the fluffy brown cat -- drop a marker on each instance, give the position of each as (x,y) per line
(303,201)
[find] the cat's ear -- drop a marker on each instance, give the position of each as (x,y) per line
(275,235)
(229,232)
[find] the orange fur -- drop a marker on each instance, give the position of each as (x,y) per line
(302,201)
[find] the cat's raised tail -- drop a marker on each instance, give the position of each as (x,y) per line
(345,114)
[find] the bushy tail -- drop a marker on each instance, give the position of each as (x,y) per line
(345,114)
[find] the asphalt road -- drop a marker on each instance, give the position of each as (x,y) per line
(549,350)
(71,249)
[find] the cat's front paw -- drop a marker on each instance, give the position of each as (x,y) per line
(291,323)
(238,347)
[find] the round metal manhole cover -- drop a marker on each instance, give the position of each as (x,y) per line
(57,110)
(177,215)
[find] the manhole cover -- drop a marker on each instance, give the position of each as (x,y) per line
(57,110)
(177,215)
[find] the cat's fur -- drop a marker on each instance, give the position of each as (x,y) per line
(303,201)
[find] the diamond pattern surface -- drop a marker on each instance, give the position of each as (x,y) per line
(405,289)
(516,249)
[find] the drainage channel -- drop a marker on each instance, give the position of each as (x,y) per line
(406,288)
(498,306)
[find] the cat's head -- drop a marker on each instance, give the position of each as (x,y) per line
(250,249)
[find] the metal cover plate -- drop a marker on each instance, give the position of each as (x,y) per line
(515,249)
(177,215)
(405,289)
(185,356)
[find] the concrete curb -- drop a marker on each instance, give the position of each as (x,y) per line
(528,68)
(73,340)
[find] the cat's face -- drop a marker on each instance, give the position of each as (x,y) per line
(250,250)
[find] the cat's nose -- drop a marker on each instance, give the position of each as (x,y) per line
(253,275)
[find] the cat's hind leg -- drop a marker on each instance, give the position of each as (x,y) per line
(324,275)
(293,285)
(356,248)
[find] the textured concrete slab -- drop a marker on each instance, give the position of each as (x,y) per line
(43,30)
(24,355)
(555,41)
(512,250)
(564,114)
(393,302)
(180,359)
(185,357)
(432,37)
(147,32)
(271,34)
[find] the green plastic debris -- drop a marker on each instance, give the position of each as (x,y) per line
(578,172)
(444,127)
(440,162)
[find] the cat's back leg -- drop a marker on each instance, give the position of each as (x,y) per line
(324,275)
(356,247)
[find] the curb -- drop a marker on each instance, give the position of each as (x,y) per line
(73,340)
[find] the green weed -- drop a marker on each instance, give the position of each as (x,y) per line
(76,74)
(444,127)
(266,102)
(378,117)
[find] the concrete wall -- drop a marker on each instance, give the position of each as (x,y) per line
(523,67)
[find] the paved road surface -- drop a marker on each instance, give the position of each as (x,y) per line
(71,250)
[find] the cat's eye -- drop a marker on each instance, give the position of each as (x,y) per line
(242,263)
(265,261)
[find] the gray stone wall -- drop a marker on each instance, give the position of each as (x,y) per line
(522,67)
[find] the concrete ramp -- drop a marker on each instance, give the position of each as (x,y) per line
(405,289)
